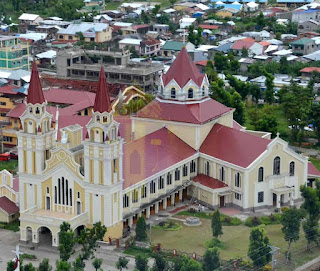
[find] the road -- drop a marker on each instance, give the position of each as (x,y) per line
(9,240)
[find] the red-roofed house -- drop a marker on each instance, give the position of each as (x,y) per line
(306,73)
(9,211)
(242,43)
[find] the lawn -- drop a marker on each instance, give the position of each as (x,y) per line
(11,165)
(235,239)
(13,226)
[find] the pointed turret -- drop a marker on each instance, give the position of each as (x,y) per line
(102,102)
(182,70)
(35,93)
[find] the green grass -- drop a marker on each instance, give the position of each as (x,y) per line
(315,161)
(235,240)
(11,165)
(170,225)
(134,251)
(13,226)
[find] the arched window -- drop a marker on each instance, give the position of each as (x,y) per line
(173,93)
(37,110)
(190,93)
(260,174)
(207,168)
(222,174)
(237,180)
(276,166)
(192,166)
(291,169)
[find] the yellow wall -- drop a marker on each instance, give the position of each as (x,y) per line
(44,185)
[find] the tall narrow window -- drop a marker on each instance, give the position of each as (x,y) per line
(173,93)
(67,198)
(222,174)
(177,174)
(207,168)
(292,168)
(70,197)
(190,93)
(185,170)
(59,190)
(55,195)
(237,180)
(169,178)
(260,174)
(192,166)
(62,190)
(276,166)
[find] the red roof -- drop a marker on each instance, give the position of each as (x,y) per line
(67,96)
(9,89)
(243,43)
(233,146)
(197,113)
(312,170)
(8,206)
(35,93)
(209,26)
(102,102)
(201,62)
(151,154)
(139,26)
(310,69)
(237,126)
(209,181)
(21,107)
(264,43)
(182,70)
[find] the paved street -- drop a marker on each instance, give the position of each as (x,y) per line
(9,239)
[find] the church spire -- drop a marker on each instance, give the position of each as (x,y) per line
(102,102)
(35,93)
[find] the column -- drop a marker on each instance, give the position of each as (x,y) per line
(172,199)
(165,203)
(55,240)
(23,234)
(148,212)
(130,221)
(180,195)
(140,214)
(35,236)
(291,199)
(278,201)
(156,207)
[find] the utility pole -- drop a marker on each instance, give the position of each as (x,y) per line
(273,251)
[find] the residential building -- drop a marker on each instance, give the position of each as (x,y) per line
(181,145)
(171,47)
(308,26)
(303,46)
(92,32)
(307,72)
(28,22)
(305,15)
(14,54)
(292,3)
(161,28)
(82,64)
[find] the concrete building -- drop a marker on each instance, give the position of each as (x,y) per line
(14,54)
(85,64)
(303,46)
(306,15)
(308,26)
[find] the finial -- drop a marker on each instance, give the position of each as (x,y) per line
(278,134)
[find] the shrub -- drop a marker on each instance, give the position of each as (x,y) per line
(272,218)
(265,220)
(252,221)
(230,221)
(162,223)
(284,208)
(192,210)
(214,242)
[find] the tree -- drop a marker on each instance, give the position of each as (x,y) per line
(269,92)
(260,20)
(10,266)
(141,229)
(311,231)
(28,267)
(44,265)
(190,265)
(291,221)
(216,224)
(221,62)
(122,263)
(160,263)
(96,263)
(315,116)
(141,263)
(63,266)
(244,52)
(234,65)
(67,241)
(156,10)
(259,250)
(211,259)
(267,123)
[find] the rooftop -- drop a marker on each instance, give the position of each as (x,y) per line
(8,206)
(209,181)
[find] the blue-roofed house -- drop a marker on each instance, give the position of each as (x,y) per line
(92,32)
(288,3)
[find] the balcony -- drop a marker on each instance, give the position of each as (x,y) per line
(282,181)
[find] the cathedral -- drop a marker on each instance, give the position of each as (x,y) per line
(181,145)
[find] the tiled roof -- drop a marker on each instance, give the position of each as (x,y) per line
(21,107)
(312,170)
(196,113)
(102,102)
(35,93)
(243,43)
(67,96)
(201,62)
(208,26)
(233,146)
(151,154)
(209,181)
(310,69)
(9,89)
(182,70)
(8,206)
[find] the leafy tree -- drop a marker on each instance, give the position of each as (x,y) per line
(260,20)
(28,267)
(195,38)
(284,64)
(211,259)
(141,263)
(145,17)
(172,2)
(96,263)
(160,263)
(141,229)
(240,109)
(259,250)
(156,10)
(291,221)
(211,73)
(216,224)
(63,266)
(267,123)
(315,116)
(133,52)
(234,65)
(269,92)
(44,265)
(311,231)
(10,266)
(122,263)
(190,265)
(244,52)
(221,62)
(67,241)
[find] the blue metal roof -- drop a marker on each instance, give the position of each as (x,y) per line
(236,7)
(240,1)
(295,1)
(307,11)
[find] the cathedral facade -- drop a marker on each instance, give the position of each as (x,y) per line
(181,145)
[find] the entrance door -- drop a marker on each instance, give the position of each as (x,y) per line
(274,199)
(221,201)
(48,203)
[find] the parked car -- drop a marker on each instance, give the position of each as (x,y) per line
(8,156)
